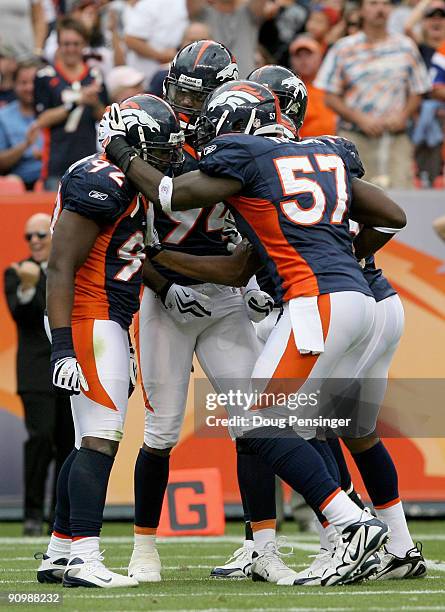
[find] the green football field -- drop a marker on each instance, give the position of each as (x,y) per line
(186,585)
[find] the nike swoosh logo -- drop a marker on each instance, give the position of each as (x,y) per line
(103,579)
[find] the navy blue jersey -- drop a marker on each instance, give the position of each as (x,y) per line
(52,88)
(196,231)
(107,285)
(293,207)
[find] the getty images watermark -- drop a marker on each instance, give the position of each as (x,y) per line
(249,410)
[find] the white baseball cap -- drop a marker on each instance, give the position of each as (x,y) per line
(121,77)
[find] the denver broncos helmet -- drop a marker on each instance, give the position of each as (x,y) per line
(152,129)
(290,90)
(196,71)
(239,106)
(290,130)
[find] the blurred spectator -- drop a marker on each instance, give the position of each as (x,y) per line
(8,66)
(69,98)
(234,23)
(431,15)
(47,416)
(350,23)
(262,57)
(96,53)
(196,30)
(438,73)
(23,26)
(428,132)
(20,138)
(123,82)
(305,56)
(374,82)
(153,33)
(284,19)
(400,15)
(320,22)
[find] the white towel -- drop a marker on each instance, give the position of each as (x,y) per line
(306,325)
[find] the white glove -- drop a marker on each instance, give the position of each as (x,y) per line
(111,124)
(259,304)
(184,304)
(68,375)
(230,233)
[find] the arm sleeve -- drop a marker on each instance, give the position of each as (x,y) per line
(93,196)
(21,311)
(223,158)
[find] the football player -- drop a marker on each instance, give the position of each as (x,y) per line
(94,280)
(182,317)
(259,177)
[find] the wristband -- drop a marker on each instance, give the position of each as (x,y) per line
(152,250)
(165,289)
(165,194)
(120,152)
(62,339)
(388,230)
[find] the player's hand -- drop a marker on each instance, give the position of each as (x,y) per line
(111,125)
(184,304)
(259,304)
(66,374)
(230,233)
(133,371)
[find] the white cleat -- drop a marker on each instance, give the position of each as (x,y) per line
(391,567)
(268,566)
(354,546)
(145,566)
(91,572)
(51,569)
(239,565)
(311,576)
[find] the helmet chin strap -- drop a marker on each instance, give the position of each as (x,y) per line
(250,122)
(143,142)
(274,129)
(221,122)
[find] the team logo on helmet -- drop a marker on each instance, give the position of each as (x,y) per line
(232,98)
(137,116)
(294,82)
(228,72)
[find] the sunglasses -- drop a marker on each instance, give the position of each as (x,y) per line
(40,235)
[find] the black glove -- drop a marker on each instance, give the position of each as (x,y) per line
(120,153)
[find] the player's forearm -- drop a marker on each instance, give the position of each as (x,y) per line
(369,241)
(145,178)
(152,278)
(234,270)
(52,116)
(59,293)
(12,156)
(372,207)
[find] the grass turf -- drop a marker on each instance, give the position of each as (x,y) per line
(186,585)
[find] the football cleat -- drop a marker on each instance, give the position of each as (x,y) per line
(366,570)
(51,569)
(91,572)
(239,565)
(311,576)
(145,566)
(268,566)
(354,546)
(412,565)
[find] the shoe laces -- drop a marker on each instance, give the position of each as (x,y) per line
(95,559)
(275,551)
(320,558)
(239,552)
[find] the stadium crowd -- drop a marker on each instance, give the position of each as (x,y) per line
(62,61)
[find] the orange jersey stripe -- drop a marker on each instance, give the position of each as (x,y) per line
(262,216)
(84,347)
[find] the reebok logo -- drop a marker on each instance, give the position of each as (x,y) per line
(97,195)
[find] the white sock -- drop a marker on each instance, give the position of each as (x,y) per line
(400,541)
(144,542)
(248,543)
(327,535)
(262,537)
(341,511)
(58,547)
(84,547)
